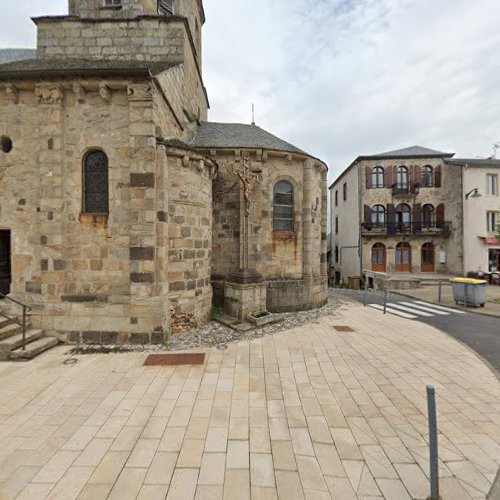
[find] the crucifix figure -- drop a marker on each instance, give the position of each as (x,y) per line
(248,179)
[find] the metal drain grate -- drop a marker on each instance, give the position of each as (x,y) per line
(174,359)
(343,328)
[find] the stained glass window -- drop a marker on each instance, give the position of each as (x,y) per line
(95,183)
(283,206)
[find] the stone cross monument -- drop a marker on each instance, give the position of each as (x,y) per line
(245,292)
(248,179)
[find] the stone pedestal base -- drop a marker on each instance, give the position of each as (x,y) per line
(241,300)
(246,277)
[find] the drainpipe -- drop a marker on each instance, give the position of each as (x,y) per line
(360,204)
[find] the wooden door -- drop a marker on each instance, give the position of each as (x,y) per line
(379,258)
(5,271)
(403,258)
(428,258)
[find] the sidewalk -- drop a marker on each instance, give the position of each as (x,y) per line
(430,293)
(309,413)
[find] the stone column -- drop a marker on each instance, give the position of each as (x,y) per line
(307,237)
(324,221)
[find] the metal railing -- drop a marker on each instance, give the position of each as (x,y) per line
(21,323)
(405,190)
(415,227)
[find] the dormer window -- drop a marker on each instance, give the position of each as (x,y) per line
(166,7)
(112,3)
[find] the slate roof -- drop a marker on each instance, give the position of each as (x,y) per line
(36,68)
(8,55)
(411,152)
(475,162)
(239,135)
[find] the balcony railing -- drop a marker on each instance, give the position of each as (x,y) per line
(406,228)
(409,190)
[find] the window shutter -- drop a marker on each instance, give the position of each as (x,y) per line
(388,182)
(391,219)
(437,176)
(440,216)
(417,217)
(368,178)
(394,174)
(368,217)
(418,175)
(166,7)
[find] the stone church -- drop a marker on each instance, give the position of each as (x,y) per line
(123,211)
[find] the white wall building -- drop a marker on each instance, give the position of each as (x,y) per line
(481,214)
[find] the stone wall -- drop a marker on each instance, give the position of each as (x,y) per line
(279,256)
(93,278)
(190,237)
(96,8)
(152,39)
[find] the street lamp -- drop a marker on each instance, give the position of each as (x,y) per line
(474,193)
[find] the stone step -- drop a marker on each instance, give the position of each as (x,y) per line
(17,340)
(34,348)
(9,329)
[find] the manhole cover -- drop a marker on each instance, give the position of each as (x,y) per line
(174,359)
(343,328)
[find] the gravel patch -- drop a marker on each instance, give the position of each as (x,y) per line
(214,334)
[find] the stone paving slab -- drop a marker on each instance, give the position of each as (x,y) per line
(307,413)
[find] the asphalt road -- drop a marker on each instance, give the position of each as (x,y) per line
(480,333)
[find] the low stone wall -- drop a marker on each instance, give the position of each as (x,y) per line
(296,295)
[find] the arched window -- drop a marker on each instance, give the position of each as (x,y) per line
(95,183)
(378,216)
(402,178)
(378,257)
(428,216)
(283,206)
(427,177)
(403,216)
(378,177)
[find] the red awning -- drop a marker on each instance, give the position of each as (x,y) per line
(490,240)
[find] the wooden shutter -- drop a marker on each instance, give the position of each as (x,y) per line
(387,177)
(418,175)
(368,217)
(368,178)
(437,176)
(440,216)
(417,218)
(391,219)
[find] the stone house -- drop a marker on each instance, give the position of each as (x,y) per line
(397,213)
(117,207)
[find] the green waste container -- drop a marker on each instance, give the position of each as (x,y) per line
(469,292)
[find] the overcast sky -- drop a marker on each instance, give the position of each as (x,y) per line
(340,78)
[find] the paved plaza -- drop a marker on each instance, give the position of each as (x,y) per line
(308,413)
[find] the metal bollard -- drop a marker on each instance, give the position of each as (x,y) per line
(440,294)
(385,301)
(366,289)
(433,442)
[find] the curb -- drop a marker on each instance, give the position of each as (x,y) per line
(451,306)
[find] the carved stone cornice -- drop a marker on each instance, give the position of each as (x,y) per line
(79,92)
(12,93)
(105,92)
(49,94)
(140,92)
